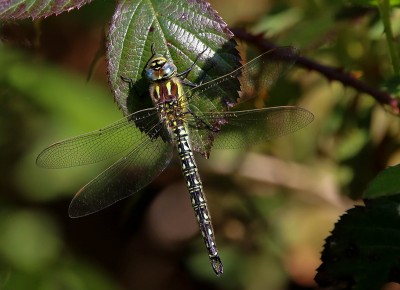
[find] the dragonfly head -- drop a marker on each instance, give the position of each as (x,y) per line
(159,68)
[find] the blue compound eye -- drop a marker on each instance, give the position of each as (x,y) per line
(169,69)
(150,74)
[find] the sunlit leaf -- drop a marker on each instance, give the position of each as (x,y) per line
(351,145)
(20,9)
(386,183)
(179,29)
(373,2)
(29,240)
(48,87)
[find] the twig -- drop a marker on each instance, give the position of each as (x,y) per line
(329,72)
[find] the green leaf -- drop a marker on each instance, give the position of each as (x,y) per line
(363,251)
(68,106)
(351,145)
(372,2)
(392,85)
(30,240)
(386,183)
(20,9)
(180,30)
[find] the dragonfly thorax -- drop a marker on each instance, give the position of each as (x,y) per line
(159,68)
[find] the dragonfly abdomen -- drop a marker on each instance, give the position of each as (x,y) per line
(197,197)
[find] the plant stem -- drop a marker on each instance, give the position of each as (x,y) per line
(384,9)
(331,73)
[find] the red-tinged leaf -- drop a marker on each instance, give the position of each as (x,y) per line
(21,9)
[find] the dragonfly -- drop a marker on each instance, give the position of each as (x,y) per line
(182,117)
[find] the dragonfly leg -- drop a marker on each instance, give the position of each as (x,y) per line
(186,72)
(153,51)
(131,84)
(129,81)
(188,83)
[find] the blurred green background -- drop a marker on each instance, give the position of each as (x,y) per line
(272,206)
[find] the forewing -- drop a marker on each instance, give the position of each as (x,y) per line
(258,74)
(238,129)
(125,177)
(102,144)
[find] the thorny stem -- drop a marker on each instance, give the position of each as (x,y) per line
(329,72)
(384,9)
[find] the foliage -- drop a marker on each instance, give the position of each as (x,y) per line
(365,242)
(170,27)
(271,216)
(21,9)
(374,2)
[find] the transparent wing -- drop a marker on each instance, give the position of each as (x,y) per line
(258,74)
(125,177)
(237,129)
(102,144)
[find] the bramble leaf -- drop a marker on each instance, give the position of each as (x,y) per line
(21,9)
(181,30)
(363,251)
(385,183)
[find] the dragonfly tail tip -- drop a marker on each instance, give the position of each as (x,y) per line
(217,265)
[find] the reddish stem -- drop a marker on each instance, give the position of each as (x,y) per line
(329,72)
